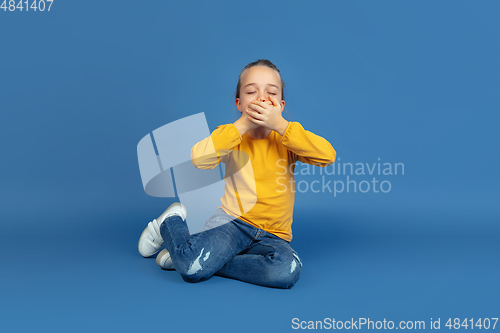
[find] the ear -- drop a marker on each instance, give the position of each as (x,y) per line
(238,104)
(282,105)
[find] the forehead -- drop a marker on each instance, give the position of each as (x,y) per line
(260,75)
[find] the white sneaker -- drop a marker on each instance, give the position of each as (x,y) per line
(164,261)
(151,241)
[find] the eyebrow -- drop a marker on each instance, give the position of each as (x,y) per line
(269,84)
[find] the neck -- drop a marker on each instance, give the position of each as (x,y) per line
(259,132)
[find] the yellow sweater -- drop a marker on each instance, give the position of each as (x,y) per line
(259,181)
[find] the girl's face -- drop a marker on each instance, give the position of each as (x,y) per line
(257,84)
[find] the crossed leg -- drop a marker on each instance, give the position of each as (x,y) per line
(235,250)
(268,261)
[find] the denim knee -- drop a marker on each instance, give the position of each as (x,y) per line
(195,276)
(285,270)
(193,268)
(289,276)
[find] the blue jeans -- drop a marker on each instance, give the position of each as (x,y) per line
(233,249)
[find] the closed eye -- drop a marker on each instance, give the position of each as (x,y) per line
(252,92)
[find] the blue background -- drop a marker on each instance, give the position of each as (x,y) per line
(413,82)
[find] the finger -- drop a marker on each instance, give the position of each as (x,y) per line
(258,106)
(255,114)
(260,112)
(255,121)
(254,107)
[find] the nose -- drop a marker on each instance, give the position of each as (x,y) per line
(263,97)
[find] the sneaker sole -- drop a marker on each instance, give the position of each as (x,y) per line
(161,258)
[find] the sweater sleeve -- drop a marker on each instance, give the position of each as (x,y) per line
(208,153)
(309,147)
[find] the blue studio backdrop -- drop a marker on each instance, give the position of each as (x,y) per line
(406,91)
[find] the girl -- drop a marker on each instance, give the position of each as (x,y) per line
(247,242)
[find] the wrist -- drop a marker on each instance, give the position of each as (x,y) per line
(281,128)
(240,126)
